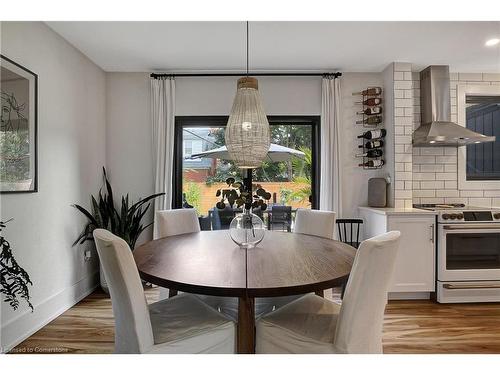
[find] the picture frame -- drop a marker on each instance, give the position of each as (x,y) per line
(18,128)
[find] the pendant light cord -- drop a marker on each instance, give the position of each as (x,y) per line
(247,49)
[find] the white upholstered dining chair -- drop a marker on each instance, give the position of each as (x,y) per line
(312,222)
(315,223)
(171,223)
(312,324)
(182,324)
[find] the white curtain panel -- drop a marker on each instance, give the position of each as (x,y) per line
(331,163)
(163,122)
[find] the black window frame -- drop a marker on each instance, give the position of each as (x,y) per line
(216,121)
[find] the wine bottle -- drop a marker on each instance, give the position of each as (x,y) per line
(371,101)
(371,91)
(372,164)
(373,120)
(371,111)
(373,153)
(372,134)
(372,144)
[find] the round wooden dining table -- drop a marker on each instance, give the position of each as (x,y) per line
(210,263)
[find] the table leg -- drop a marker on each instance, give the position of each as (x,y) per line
(320,293)
(246,325)
(172,293)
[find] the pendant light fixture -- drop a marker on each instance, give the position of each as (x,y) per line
(247,133)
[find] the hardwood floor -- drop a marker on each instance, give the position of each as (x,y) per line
(410,327)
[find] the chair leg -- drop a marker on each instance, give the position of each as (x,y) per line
(343,290)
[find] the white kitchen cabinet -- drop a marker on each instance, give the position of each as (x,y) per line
(415,263)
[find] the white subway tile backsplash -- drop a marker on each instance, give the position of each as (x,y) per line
(403,85)
(435,170)
(447,193)
(450,150)
(404,103)
(402,67)
(431,184)
(431,150)
(491,76)
(399,111)
(450,168)
(399,76)
(446,176)
(403,158)
(403,176)
(431,168)
(399,203)
(402,139)
(480,202)
(428,159)
(403,120)
(399,185)
(471,193)
(398,94)
(420,176)
(408,167)
(450,184)
(470,76)
(403,194)
(424,193)
(492,193)
(399,167)
(446,159)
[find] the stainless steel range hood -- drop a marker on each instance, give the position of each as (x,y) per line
(437,128)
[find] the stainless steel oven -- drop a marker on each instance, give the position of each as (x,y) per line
(468,256)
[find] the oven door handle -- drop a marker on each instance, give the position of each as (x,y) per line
(471,286)
(462,227)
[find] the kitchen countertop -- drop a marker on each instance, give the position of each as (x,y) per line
(398,211)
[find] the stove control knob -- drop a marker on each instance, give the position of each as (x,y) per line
(445,216)
(497,216)
(453,216)
(460,216)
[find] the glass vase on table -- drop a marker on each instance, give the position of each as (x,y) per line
(247,229)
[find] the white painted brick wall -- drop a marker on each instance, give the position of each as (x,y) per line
(435,168)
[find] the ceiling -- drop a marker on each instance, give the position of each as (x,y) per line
(283,46)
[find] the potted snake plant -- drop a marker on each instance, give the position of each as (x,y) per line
(124,221)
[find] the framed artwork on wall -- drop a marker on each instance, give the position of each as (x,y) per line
(18,128)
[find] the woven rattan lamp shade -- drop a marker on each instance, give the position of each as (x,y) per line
(247,133)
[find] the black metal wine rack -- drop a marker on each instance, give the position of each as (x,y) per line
(364,118)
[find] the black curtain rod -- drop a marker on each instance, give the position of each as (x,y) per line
(162,75)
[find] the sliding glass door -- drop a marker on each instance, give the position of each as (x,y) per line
(292,182)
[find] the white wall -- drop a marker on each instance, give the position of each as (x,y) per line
(71,152)
(128,140)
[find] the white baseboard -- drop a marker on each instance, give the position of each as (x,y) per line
(409,295)
(19,329)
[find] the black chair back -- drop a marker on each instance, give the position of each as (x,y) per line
(348,231)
